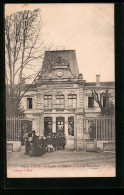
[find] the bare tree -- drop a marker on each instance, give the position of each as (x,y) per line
(23,49)
(108,108)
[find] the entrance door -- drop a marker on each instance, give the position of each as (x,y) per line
(47,125)
(60,124)
(71,126)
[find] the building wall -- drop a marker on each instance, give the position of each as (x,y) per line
(38,113)
(90,112)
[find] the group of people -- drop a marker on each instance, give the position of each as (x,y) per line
(35,146)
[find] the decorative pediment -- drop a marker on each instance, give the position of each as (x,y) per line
(60,63)
(59,74)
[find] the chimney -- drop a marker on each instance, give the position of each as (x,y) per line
(98,80)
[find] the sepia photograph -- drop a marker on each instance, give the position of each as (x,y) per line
(60,90)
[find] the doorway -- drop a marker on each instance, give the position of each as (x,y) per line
(60,125)
(71,126)
(47,125)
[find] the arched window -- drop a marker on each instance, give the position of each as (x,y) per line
(72,101)
(47,101)
(60,101)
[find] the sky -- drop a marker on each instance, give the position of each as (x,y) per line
(86,28)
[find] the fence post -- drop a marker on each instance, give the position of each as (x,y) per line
(96,129)
(113,127)
(11,133)
(84,128)
(101,137)
(16,127)
(95,140)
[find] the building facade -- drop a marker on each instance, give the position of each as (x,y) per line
(60,99)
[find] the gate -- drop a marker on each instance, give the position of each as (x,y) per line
(16,127)
(99,129)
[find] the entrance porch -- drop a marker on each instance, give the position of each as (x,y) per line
(59,123)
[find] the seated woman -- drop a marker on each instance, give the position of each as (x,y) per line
(36,148)
(42,141)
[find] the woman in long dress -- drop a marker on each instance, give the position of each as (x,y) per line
(27,144)
(36,147)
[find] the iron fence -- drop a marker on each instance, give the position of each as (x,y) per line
(16,127)
(100,128)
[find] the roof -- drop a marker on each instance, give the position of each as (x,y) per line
(69,55)
(32,87)
(29,87)
(104,84)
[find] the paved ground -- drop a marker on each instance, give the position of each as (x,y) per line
(61,164)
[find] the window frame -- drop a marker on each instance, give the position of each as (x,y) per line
(48,122)
(47,100)
(29,104)
(71,98)
(61,121)
(104,104)
(60,101)
(71,123)
(48,97)
(89,97)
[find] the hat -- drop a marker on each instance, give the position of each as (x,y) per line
(33,131)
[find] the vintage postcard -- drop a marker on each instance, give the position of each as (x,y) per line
(60,90)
